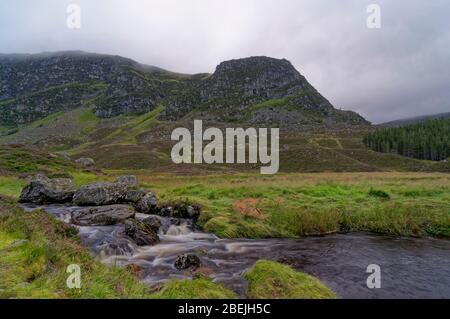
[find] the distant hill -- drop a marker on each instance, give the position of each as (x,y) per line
(414,120)
(255,90)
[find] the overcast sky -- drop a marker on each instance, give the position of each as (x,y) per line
(400,70)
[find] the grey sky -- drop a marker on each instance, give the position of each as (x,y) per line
(400,70)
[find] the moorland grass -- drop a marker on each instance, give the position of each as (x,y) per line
(198,288)
(291,205)
(271,280)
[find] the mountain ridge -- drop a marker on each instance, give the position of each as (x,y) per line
(255,90)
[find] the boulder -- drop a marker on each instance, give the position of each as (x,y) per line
(152,222)
(148,204)
(43,190)
(142,234)
(106,194)
(134,195)
(85,162)
(187,261)
(193,212)
(102,216)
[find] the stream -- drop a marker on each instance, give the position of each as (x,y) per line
(410,267)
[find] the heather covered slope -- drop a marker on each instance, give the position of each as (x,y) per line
(143,142)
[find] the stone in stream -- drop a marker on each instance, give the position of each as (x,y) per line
(152,222)
(141,233)
(102,215)
(124,190)
(187,261)
(148,204)
(43,190)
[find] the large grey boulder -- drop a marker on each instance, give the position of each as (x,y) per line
(102,215)
(141,233)
(106,193)
(43,190)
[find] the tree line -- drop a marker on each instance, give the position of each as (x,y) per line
(428,140)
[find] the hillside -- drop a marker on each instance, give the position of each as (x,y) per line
(256,90)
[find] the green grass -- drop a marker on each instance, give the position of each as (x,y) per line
(11,186)
(61,130)
(21,159)
(198,288)
(271,280)
(125,134)
(292,205)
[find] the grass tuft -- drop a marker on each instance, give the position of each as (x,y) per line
(271,280)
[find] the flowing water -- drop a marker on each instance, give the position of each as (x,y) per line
(410,268)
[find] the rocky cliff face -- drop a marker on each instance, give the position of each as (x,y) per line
(251,80)
(34,86)
(256,90)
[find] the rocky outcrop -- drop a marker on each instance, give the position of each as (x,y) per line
(249,80)
(141,233)
(102,215)
(106,193)
(43,190)
(35,86)
(187,261)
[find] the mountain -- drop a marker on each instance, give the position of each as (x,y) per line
(414,120)
(255,90)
